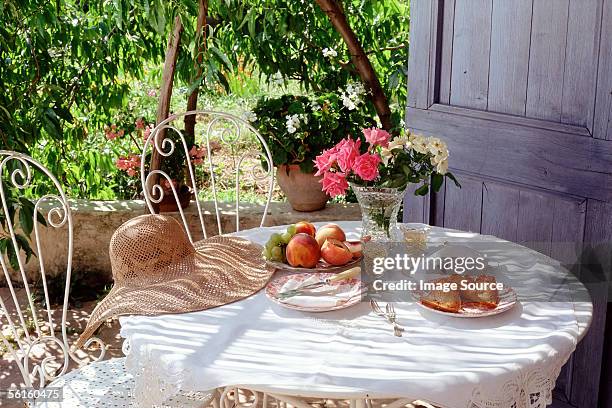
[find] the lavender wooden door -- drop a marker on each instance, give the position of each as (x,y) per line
(521,90)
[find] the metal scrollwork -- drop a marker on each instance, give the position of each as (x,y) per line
(24,344)
(218,126)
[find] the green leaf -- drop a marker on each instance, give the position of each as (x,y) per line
(24,245)
(452,177)
(223,58)
(118,13)
(51,124)
(26,216)
(436,181)
(423,190)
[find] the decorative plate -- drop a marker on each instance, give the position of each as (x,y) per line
(507,300)
(322,266)
(276,284)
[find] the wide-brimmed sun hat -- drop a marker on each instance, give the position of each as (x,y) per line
(157,270)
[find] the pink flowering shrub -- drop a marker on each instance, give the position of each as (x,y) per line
(130,164)
(140,132)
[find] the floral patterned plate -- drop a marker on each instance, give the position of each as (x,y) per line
(322,266)
(275,286)
(507,300)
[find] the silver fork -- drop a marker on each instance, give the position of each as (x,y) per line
(397,330)
(392,316)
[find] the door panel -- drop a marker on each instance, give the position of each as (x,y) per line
(547,59)
(521,90)
(471,39)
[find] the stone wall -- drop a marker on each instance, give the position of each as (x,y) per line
(95,221)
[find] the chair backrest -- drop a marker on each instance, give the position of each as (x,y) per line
(33,326)
(226,141)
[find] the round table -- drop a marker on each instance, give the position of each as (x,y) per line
(258,345)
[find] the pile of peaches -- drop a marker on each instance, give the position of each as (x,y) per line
(302,245)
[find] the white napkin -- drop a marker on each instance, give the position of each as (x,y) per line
(310,298)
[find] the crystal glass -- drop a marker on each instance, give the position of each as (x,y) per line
(379,209)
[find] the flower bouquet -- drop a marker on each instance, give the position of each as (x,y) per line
(379,171)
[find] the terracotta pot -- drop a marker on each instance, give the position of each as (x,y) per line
(303,190)
(168,203)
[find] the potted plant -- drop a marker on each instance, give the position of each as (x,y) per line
(297,129)
(379,170)
(173,165)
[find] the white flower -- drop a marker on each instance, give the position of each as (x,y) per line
(442,167)
(351,97)
(329,53)
(355,89)
(436,146)
(386,155)
(402,123)
(348,102)
(398,142)
(293,122)
(419,143)
(435,160)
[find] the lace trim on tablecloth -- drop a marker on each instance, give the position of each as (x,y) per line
(530,389)
(151,389)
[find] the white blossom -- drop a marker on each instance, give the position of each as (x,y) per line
(348,103)
(351,97)
(436,146)
(398,142)
(442,167)
(293,122)
(386,155)
(419,143)
(329,53)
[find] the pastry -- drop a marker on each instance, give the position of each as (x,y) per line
(486,298)
(448,301)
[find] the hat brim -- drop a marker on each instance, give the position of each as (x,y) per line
(222,270)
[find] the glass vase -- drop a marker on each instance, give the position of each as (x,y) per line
(379,210)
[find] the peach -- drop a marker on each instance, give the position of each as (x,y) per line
(330,231)
(335,252)
(306,228)
(355,247)
(303,250)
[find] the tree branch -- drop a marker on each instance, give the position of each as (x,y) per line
(192,101)
(360,60)
(163,108)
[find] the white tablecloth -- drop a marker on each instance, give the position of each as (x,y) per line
(486,362)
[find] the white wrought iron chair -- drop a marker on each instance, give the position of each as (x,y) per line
(26,334)
(227,131)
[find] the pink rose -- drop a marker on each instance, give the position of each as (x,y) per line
(366,166)
(325,160)
(152,93)
(348,150)
(334,183)
(140,124)
(377,137)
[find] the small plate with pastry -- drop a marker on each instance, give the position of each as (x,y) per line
(466,296)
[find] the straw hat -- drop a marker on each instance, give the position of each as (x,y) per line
(157,270)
